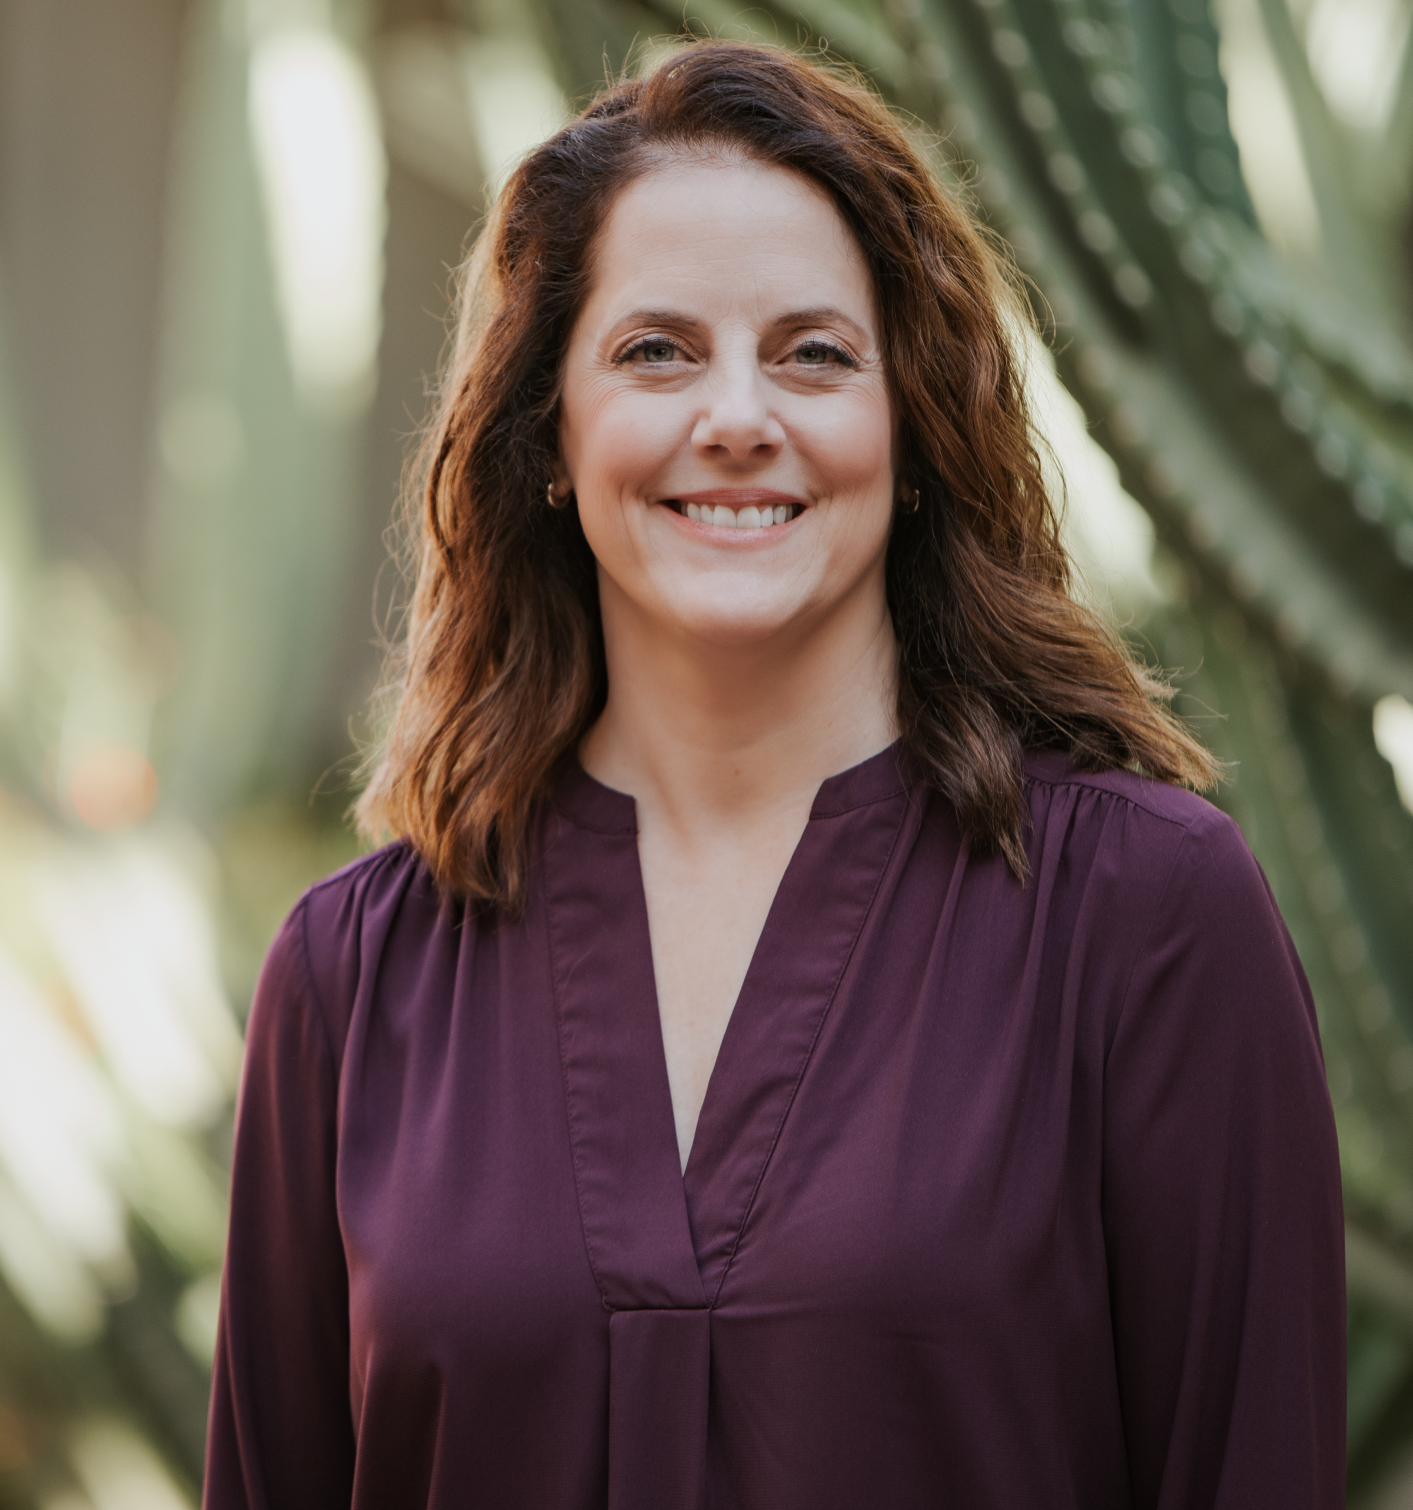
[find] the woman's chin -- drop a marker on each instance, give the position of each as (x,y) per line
(721,612)
(733,627)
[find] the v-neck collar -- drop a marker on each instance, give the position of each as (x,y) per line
(656,1237)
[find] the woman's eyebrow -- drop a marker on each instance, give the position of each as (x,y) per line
(794,319)
(675,317)
(819,314)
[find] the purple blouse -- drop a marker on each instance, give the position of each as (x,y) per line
(1003,1197)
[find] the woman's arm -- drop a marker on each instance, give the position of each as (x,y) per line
(281,1431)
(1222,1206)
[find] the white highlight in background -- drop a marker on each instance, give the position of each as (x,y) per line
(1393,734)
(319,152)
(46,1278)
(119,1471)
(60,1130)
(513,102)
(1272,159)
(1108,534)
(137,946)
(1356,52)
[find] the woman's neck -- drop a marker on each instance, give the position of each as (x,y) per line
(702,733)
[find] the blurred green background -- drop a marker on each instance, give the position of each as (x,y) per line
(227,229)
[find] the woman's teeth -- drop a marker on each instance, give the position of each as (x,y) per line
(748,518)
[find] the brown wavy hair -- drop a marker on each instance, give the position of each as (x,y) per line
(502,670)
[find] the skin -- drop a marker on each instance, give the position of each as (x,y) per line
(729,345)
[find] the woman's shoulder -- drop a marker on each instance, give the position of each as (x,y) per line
(1168,886)
(1119,800)
(1154,841)
(345,897)
(1161,801)
(342,922)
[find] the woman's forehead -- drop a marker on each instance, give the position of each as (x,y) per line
(709,228)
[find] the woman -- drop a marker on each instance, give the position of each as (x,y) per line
(791,1057)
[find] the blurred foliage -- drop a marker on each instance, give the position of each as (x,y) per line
(226,233)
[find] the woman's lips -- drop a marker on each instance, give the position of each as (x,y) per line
(737,509)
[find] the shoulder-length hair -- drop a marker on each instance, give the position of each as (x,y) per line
(502,670)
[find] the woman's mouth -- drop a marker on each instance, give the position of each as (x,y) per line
(751,516)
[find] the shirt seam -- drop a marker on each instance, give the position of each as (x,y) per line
(316,1000)
(1142,948)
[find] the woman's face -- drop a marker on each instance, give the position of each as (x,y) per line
(726,423)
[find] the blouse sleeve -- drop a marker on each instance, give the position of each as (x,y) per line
(1222,1210)
(281,1432)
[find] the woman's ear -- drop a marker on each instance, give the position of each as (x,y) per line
(560,489)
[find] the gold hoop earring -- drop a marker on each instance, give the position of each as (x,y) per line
(555,503)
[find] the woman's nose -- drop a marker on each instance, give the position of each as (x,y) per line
(739,421)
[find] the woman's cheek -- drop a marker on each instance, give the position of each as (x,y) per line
(849,448)
(629,443)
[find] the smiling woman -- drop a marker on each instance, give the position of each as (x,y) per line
(803,1048)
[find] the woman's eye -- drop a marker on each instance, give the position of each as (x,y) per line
(654,352)
(818,354)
